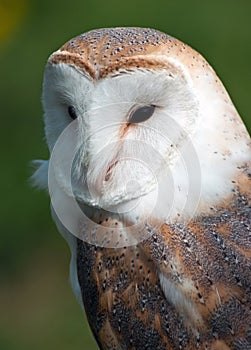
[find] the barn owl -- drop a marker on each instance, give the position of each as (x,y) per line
(149,179)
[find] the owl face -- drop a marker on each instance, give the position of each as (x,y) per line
(148,125)
(128,127)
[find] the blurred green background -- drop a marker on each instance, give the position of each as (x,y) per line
(37,308)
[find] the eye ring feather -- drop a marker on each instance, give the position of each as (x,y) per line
(141,114)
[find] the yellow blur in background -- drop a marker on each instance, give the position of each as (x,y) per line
(12,13)
(38,308)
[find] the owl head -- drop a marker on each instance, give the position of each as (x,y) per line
(139,126)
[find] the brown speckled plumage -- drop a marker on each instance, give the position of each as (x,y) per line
(104,51)
(125,303)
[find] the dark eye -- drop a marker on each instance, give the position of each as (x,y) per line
(142,114)
(72,112)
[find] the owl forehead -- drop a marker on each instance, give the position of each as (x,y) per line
(104,51)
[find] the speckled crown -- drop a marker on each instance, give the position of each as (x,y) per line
(100,52)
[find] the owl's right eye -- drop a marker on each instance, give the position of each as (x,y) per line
(72,112)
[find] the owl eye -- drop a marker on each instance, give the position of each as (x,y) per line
(142,114)
(72,112)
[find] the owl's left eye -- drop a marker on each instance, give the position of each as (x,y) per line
(72,112)
(142,114)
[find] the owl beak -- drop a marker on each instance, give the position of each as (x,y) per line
(110,169)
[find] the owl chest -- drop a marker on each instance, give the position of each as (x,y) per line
(124,301)
(185,288)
